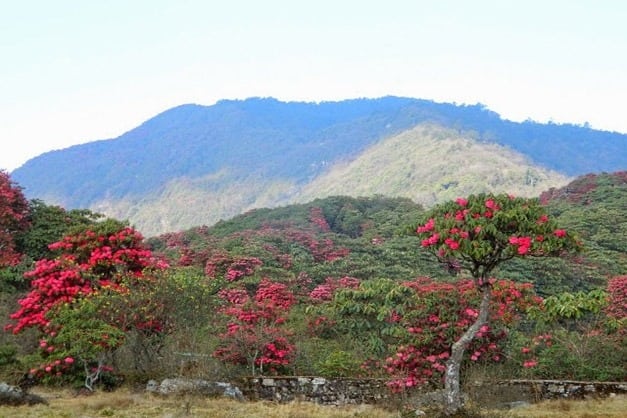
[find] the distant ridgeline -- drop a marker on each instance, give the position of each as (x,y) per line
(194,165)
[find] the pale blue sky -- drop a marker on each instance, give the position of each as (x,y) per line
(77,71)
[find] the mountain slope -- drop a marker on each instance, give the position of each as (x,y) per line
(196,164)
(429,164)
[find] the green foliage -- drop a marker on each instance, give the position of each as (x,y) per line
(83,334)
(8,354)
(49,224)
(12,277)
(82,328)
(358,326)
(594,205)
(584,354)
(188,295)
(366,313)
(338,364)
(569,306)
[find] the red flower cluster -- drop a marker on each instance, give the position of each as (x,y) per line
(523,244)
(617,303)
(253,336)
(232,268)
(13,218)
(413,366)
(317,218)
(87,262)
(274,295)
(325,291)
(56,368)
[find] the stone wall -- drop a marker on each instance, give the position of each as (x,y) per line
(318,389)
(371,391)
(537,390)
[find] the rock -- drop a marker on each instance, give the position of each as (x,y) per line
(515,404)
(14,396)
(181,386)
(152,386)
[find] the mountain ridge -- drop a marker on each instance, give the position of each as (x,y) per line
(237,154)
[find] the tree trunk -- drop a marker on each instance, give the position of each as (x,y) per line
(452,391)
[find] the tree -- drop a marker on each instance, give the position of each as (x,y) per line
(104,257)
(476,235)
(48,224)
(13,219)
(369,310)
(255,336)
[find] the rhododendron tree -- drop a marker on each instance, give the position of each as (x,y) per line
(616,309)
(476,235)
(231,268)
(101,258)
(254,335)
(13,219)
(96,257)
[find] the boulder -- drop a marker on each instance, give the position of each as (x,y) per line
(14,396)
(182,386)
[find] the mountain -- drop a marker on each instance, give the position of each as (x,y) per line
(194,165)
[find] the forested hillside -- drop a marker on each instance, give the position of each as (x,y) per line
(338,286)
(196,164)
(367,238)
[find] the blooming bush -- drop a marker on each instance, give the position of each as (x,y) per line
(66,303)
(616,309)
(14,212)
(254,333)
(444,312)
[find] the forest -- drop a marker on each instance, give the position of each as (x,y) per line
(337,287)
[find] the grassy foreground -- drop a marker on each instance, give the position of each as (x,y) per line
(614,407)
(125,404)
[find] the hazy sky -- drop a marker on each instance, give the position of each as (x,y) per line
(78,71)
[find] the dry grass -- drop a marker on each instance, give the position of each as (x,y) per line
(613,407)
(126,404)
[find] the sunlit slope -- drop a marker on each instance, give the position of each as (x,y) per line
(430,164)
(186,202)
